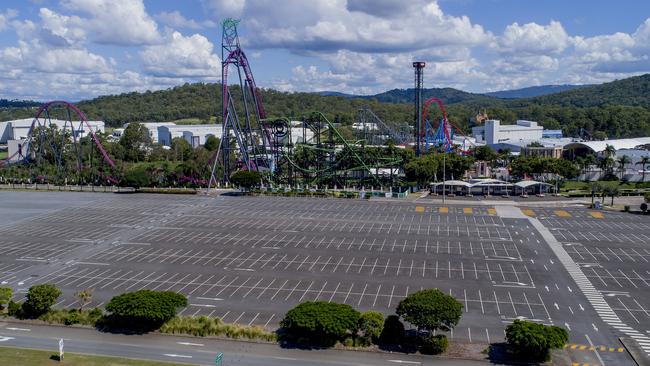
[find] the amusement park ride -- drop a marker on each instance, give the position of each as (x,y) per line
(252,141)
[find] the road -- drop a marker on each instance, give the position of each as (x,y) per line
(199,351)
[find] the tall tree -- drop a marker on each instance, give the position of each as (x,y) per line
(644,161)
(136,141)
(622,162)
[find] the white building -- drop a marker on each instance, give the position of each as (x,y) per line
(196,135)
(493,132)
(152,127)
(19,129)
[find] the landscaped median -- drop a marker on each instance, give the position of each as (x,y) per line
(320,324)
(134,312)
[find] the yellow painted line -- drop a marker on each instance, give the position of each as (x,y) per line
(468,210)
(596,215)
(562,213)
(529,212)
(575,364)
(419,208)
(583,348)
(444,210)
(492,211)
(574,346)
(621,349)
(611,349)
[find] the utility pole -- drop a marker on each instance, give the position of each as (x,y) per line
(444,175)
(419,68)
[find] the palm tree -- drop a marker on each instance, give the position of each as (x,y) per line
(84,296)
(609,150)
(605,164)
(612,192)
(622,162)
(595,189)
(645,160)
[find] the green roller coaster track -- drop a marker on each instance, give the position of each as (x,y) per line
(349,147)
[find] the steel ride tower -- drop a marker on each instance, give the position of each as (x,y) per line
(252,136)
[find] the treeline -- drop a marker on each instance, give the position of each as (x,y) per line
(613,110)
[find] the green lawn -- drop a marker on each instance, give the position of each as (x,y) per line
(3,155)
(28,357)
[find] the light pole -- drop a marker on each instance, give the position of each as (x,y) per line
(444,175)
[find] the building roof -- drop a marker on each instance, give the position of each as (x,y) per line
(599,146)
(192,127)
(530,183)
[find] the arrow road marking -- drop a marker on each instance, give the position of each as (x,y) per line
(556,306)
(20,329)
(4,339)
(191,344)
(402,361)
(595,327)
(175,355)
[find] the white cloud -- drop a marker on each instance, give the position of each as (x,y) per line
(6,17)
(533,39)
(331,25)
(117,22)
(176,20)
(182,56)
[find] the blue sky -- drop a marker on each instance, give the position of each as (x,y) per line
(77,49)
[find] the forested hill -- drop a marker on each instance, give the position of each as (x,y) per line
(204,100)
(447,95)
(533,91)
(617,109)
(634,91)
(5,103)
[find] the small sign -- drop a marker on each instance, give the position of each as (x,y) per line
(219,358)
(61,349)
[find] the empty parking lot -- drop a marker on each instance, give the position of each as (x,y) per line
(249,259)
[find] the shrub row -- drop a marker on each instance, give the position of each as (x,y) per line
(204,326)
(325,324)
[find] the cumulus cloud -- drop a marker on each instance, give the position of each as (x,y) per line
(357,46)
(182,56)
(359,26)
(532,38)
(116,22)
(176,20)
(6,17)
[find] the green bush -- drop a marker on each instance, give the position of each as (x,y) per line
(245,178)
(72,318)
(434,345)
(15,309)
(430,310)
(320,323)
(371,324)
(39,299)
(6,293)
(532,341)
(145,309)
(393,331)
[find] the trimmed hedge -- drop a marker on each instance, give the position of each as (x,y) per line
(533,341)
(145,308)
(320,323)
